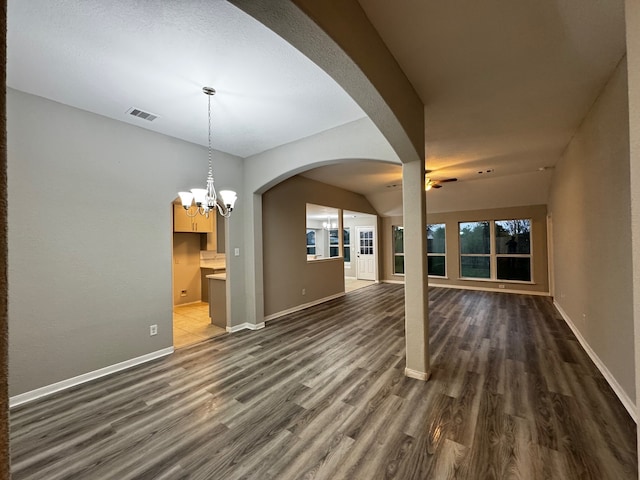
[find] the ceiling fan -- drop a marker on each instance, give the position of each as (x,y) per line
(430,183)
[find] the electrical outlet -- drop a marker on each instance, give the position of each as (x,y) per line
(236,252)
(501,285)
(304,291)
(153,330)
(183,293)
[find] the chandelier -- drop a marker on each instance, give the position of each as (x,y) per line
(206,199)
(328,225)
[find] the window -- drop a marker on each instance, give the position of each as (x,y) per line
(346,244)
(398,250)
(334,243)
(513,250)
(496,250)
(475,250)
(366,241)
(436,250)
(311,241)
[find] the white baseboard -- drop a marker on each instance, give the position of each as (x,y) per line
(245,326)
(480,289)
(489,289)
(297,308)
(85,377)
(424,376)
(622,395)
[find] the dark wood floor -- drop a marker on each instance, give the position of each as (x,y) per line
(321,394)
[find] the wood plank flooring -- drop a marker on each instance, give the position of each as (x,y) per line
(320,394)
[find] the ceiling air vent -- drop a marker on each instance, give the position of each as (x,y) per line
(136,112)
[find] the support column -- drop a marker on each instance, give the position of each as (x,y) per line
(632,15)
(416,302)
(253,267)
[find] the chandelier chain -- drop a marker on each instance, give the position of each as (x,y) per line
(206,199)
(209,136)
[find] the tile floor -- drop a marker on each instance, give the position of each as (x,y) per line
(351,284)
(191,324)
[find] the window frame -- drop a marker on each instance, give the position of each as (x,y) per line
(515,255)
(346,247)
(334,246)
(493,255)
(438,254)
(394,228)
(475,255)
(312,245)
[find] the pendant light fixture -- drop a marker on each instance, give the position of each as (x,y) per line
(206,199)
(328,225)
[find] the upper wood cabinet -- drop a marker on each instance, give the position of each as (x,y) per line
(196,224)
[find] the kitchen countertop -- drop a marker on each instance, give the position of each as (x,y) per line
(217,276)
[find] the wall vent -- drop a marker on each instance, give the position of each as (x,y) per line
(136,112)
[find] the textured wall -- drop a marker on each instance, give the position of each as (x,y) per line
(590,208)
(90,261)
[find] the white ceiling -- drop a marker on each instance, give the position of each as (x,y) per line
(365,177)
(109,56)
(505,84)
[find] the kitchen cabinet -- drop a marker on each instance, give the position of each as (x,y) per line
(196,224)
(218,299)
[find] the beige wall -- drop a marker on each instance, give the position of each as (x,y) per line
(186,267)
(632,12)
(590,208)
(286,269)
(537,213)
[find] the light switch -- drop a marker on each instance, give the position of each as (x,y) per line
(236,252)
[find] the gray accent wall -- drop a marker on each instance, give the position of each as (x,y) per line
(590,209)
(286,269)
(90,237)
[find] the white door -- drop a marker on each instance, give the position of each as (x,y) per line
(366,264)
